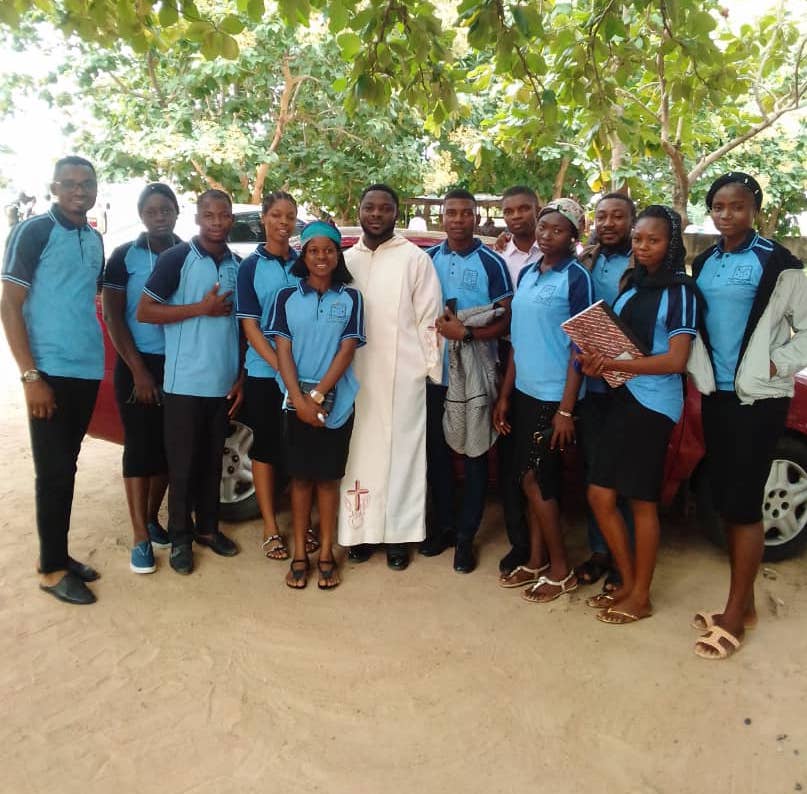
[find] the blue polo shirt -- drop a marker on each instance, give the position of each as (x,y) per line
(127,271)
(261,276)
(317,325)
(474,277)
(606,273)
(729,282)
(60,264)
(677,314)
(201,353)
(541,348)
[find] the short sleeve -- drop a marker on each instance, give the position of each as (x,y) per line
(354,328)
(500,285)
(581,290)
(278,321)
(24,248)
(247,304)
(115,274)
(164,279)
(523,272)
(682,311)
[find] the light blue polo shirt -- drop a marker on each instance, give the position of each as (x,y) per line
(677,314)
(60,265)
(127,271)
(317,325)
(475,277)
(729,282)
(201,353)
(261,276)
(606,274)
(541,348)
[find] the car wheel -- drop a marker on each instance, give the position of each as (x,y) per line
(237,490)
(784,506)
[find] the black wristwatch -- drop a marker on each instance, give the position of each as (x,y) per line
(469,336)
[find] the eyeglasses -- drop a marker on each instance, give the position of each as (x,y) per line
(71,185)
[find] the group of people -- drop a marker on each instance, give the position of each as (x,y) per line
(365,374)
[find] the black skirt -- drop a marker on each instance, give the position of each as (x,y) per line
(532,427)
(315,453)
(143,441)
(262,401)
(631,448)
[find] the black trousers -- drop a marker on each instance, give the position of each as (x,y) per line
(55,444)
(195,430)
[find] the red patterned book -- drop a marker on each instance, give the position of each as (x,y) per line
(598,329)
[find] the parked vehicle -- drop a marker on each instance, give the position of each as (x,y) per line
(784,506)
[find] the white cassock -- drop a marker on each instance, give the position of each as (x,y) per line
(383,492)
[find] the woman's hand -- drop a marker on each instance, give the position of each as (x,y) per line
(500,412)
(145,388)
(592,364)
(309,412)
(40,399)
(562,431)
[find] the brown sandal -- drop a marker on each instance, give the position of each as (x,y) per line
(277,552)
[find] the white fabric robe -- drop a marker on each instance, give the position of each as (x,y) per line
(383,493)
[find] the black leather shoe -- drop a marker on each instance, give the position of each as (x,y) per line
(513,559)
(219,543)
(397,556)
(437,544)
(181,559)
(70,588)
(84,572)
(361,552)
(464,560)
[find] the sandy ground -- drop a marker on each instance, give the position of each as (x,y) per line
(427,681)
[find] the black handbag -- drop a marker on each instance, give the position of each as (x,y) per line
(305,387)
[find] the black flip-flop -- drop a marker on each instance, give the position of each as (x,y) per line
(326,572)
(298,575)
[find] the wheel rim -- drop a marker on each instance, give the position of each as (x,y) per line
(784,507)
(236,471)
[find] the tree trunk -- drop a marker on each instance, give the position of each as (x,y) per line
(260,180)
(560,177)
(769,222)
(209,180)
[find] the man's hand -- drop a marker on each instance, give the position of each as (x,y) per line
(236,395)
(146,390)
(501,241)
(562,431)
(216,305)
(40,399)
(449,326)
(500,412)
(310,412)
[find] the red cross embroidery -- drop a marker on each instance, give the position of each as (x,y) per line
(358,492)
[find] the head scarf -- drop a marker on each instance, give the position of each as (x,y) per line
(570,210)
(740,178)
(321,229)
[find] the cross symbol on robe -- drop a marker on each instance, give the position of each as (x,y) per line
(358,492)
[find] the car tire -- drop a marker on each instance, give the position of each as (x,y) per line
(784,509)
(237,491)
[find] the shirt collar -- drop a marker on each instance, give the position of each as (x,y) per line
(143,242)
(559,268)
(197,244)
(511,248)
(623,249)
(749,242)
(264,254)
(62,220)
(306,289)
(475,246)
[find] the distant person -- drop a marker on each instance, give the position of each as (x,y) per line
(488,228)
(755,342)
(317,326)
(417,223)
(189,292)
(471,276)
(139,371)
(384,489)
(51,271)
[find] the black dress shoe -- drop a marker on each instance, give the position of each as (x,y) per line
(437,544)
(84,572)
(70,588)
(219,543)
(513,559)
(181,559)
(464,560)
(397,556)
(361,552)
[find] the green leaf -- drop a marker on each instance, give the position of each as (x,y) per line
(231,24)
(337,16)
(340,84)
(211,44)
(255,10)
(228,46)
(168,14)
(198,30)
(349,44)
(702,22)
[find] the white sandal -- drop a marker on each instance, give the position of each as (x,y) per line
(533,573)
(532,591)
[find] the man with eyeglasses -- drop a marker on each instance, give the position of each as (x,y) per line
(51,273)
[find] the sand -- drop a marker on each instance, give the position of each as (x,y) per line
(422,681)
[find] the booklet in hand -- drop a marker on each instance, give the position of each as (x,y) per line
(598,329)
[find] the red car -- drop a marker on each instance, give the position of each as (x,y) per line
(784,507)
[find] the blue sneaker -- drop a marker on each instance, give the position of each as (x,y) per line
(143,558)
(158,536)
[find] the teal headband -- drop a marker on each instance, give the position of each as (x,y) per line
(320,229)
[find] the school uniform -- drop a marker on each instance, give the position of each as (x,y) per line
(475,277)
(201,366)
(127,270)
(541,351)
(260,277)
(316,325)
(756,298)
(632,446)
(59,264)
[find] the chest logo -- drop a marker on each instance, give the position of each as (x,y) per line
(741,275)
(337,313)
(545,294)
(470,278)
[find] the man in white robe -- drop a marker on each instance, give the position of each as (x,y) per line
(383,492)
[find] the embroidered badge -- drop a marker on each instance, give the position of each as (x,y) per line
(740,275)
(544,294)
(337,313)
(356,500)
(470,278)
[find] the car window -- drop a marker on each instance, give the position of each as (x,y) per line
(247,228)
